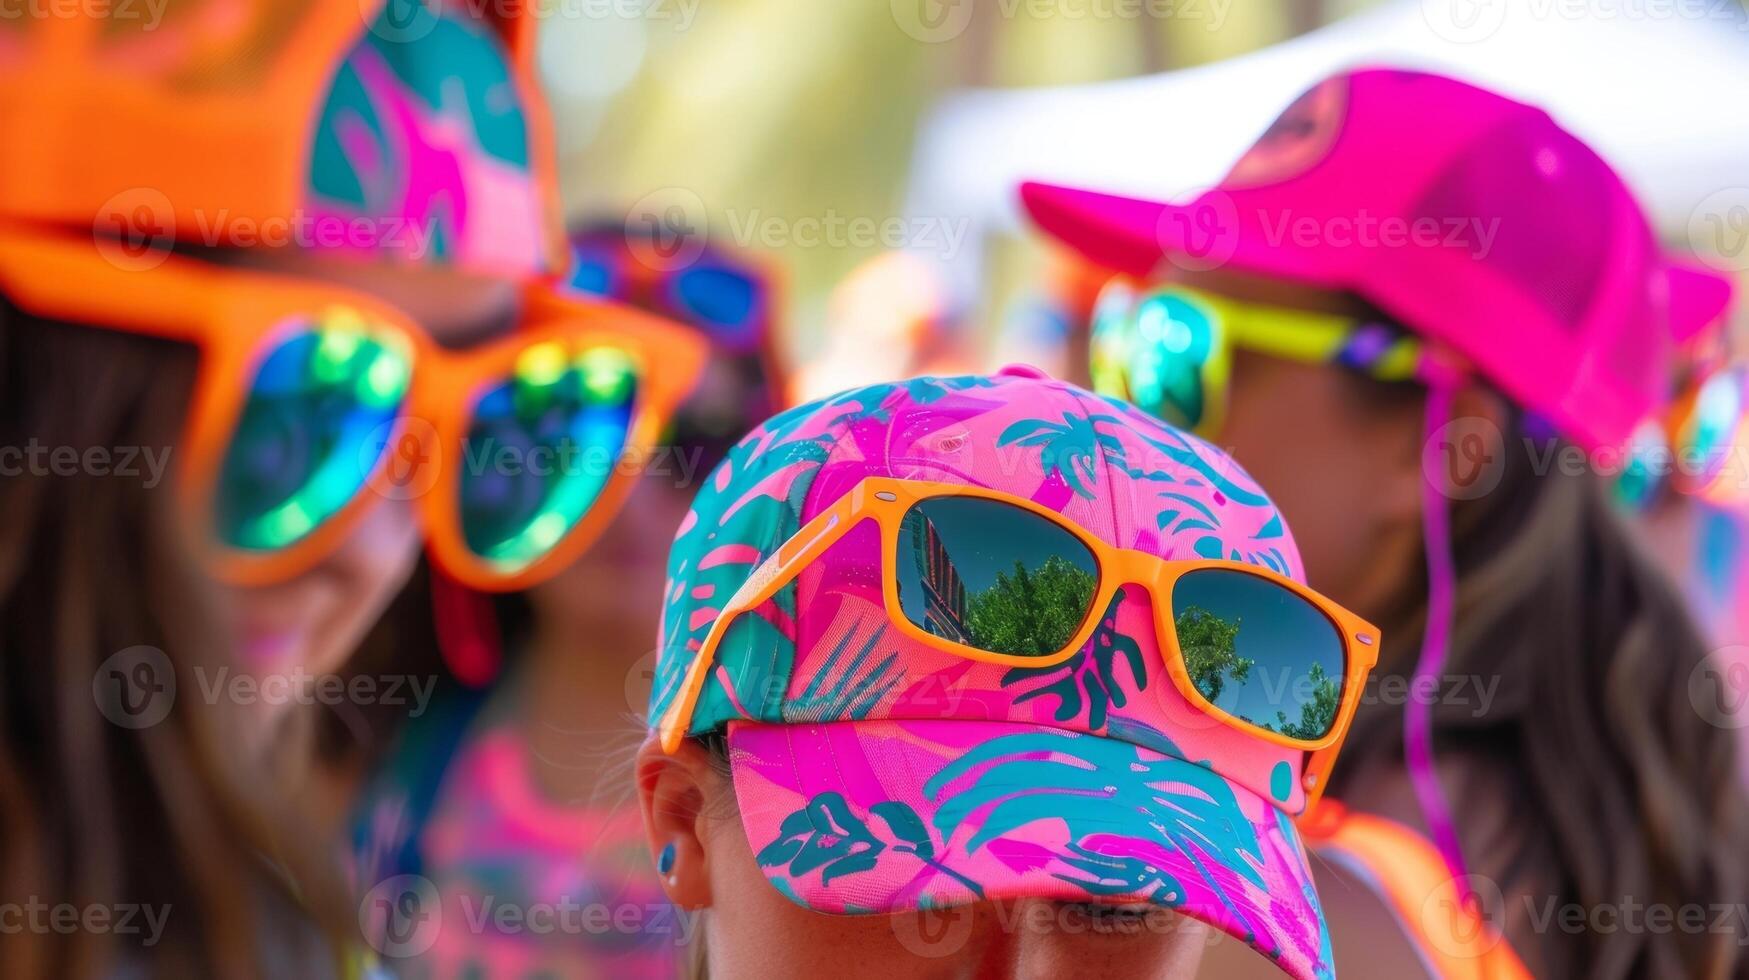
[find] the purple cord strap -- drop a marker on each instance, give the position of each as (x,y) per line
(1441,595)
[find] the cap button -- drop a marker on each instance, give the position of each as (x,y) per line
(1023,371)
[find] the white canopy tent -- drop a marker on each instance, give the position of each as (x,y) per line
(1659,87)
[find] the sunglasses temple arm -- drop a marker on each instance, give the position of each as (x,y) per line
(772,575)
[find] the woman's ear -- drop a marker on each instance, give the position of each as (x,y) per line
(676,792)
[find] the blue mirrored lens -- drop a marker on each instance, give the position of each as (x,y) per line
(1259,652)
(312,430)
(593,273)
(716,296)
(541,447)
(1154,352)
(993,576)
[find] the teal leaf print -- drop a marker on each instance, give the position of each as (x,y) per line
(1111,874)
(1082,781)
(847,688)
(908,827)
(827,834)
(1086,685)
(1177,448)
(1068,450)
(928,390)
(824,834)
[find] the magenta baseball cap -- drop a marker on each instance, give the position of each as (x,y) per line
(876,774)
(1471,218)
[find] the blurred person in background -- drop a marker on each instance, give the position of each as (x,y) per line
(516,792)
(303,322)
(1377,314)
(889,318)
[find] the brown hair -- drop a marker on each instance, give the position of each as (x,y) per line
(1591,780)
(96,813)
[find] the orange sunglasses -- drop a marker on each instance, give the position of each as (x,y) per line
(388,409)
(889,502)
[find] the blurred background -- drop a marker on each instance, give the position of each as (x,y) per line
(827,134)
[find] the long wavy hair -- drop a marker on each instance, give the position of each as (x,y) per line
(174,816)
(1596,781)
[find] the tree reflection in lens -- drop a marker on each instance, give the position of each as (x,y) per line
(993,576)
(1210,648)
(1251,673)
(1030,613)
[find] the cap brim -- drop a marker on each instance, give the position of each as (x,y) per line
(1135,236)
(1699,298)
(883,816)
(1121,233)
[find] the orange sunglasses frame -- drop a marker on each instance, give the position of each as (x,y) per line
(232,315)
(886,500)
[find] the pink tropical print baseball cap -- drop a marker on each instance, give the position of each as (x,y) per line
(875,774)
(1469,217)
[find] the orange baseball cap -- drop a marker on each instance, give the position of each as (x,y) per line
(411,131)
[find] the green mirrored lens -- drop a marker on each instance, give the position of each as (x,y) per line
(1712,426)
(303,445)
(1108,358)
(1259,652)
(542,446)
(1642,474)
(1155,353)
(993,576)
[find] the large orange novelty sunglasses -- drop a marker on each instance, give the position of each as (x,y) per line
(313,401)
(964,538)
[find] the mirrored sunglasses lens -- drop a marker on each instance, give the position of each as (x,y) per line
(541,446)
(993,576)
(1642,474)
(1172,340)
(592,275)
(1109,350)
(717,298)
(1712,427)
(1259,652)
(312,429)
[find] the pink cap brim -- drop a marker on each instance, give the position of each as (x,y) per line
(1134,236)
(1119,233)
(884,816)
(1699,298)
